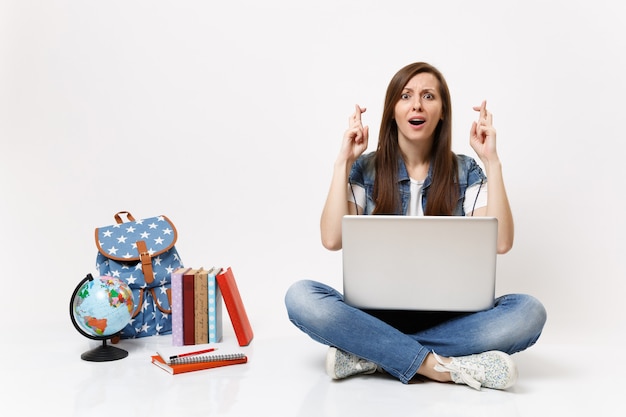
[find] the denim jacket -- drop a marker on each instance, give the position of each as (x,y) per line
(363,174)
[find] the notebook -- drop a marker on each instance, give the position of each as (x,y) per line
(425,263)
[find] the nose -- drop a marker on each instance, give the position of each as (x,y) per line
(417,103)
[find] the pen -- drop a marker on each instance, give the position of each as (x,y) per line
(199,352)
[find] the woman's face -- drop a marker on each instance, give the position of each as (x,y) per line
(419,109)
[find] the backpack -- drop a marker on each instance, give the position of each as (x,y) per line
(142,254)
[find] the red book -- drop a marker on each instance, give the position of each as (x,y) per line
(196,366)
(234,305)
(189,333)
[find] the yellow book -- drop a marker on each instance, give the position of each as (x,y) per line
(201,308)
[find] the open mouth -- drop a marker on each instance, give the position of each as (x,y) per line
(417,122)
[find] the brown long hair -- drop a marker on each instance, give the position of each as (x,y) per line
(443,191)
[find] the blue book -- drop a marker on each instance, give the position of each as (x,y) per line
(214,307)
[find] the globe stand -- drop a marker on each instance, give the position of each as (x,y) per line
(104,353)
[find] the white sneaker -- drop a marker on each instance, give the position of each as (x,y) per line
(493,369)
(340,364)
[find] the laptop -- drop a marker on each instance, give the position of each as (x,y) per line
(420,263)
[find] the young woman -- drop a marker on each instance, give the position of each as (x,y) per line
(414,172)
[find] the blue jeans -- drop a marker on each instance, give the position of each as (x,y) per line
(398,345)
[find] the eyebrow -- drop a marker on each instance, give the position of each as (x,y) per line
(429,89)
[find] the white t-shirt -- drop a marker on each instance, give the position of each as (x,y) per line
(476,193)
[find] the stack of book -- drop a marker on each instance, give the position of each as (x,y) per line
(180,361)
(197,295)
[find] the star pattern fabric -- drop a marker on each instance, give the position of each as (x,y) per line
(119,241)
(119,257)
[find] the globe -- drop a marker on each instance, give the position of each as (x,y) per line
(100,308)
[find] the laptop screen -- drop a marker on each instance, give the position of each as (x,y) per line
(427,263)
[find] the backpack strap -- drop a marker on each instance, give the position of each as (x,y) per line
(139,303)
(146,261)
(118,217)
(158,303)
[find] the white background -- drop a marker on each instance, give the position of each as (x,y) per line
(227,117)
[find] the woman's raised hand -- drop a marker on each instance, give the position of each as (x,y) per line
(483,134)
(356,137)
